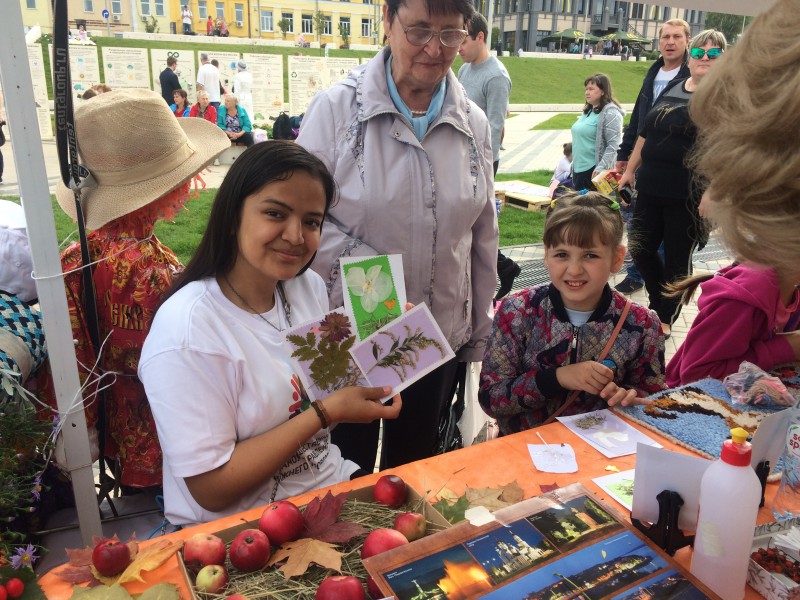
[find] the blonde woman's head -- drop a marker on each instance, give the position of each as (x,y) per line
(747,149)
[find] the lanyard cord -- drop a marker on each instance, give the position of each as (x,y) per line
(73,175)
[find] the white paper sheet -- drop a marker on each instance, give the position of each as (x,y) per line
(553,458)
(607,433)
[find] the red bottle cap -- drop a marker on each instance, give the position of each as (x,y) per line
(736,451)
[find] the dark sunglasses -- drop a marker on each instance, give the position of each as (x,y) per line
(712,53)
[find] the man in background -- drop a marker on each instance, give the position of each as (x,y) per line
(673,41)
(169,80)
(187,20)
(208,80)
(488,85)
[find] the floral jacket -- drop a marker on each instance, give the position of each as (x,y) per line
(532,336)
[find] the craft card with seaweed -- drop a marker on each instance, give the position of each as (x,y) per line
(321,350)
(374,291)
(403,351)
(607,433)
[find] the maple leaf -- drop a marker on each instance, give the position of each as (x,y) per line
(453,512)
(79,557)
(322,520)
(102,592)
(80,574)
(495,498)
(151,557)
(449,495)
(512,493)
(301,553)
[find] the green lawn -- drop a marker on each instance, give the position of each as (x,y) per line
(183,236)
(535,80)
(566,121)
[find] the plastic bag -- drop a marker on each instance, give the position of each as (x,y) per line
(752,385)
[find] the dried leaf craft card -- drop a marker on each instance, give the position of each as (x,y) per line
(321,348)
(403,351)
(373,290)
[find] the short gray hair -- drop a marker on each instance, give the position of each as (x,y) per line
(709,35)
(203,57)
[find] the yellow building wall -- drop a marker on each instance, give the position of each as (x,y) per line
(38,15)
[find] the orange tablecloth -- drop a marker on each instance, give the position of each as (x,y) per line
(489,464)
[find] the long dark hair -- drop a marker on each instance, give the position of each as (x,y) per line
(275,160)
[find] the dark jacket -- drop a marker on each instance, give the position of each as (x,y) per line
(644,102)
(169,83)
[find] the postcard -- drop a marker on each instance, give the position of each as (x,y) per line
(593,573)
(573,522)
(401,352)
(374,291)
(607,433)
(321,351)
(619,486)
(670,585)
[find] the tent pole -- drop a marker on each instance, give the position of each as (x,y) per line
(32,177)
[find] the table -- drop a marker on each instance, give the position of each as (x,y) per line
(489,464)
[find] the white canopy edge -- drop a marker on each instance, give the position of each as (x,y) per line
(32,177)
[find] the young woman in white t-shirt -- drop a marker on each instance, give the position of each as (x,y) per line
(236,428)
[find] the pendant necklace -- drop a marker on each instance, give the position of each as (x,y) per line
(280,293)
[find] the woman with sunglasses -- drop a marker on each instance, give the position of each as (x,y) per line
(666,209)
(413,160)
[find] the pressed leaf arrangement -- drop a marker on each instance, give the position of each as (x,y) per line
(404,353)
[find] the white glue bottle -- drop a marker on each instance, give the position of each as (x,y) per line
(729,496)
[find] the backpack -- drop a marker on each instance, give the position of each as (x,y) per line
(282,128)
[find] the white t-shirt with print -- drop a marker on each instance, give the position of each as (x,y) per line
(214,375)
(662,79)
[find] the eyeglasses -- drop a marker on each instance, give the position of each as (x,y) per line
(419,36)
(712,53)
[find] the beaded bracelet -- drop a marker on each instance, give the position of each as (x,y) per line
(321,413)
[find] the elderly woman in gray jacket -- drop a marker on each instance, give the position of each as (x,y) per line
(596,135)
(412,158)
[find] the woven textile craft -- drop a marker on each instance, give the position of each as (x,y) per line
(699,416)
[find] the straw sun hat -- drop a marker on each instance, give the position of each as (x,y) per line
(136,151)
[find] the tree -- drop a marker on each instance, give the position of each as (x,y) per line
(344,33)
(284,25)
(319,23)
(151,26)
(731,25)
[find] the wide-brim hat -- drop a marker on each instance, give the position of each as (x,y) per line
(136,151)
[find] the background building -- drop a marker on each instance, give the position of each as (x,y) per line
(524,23)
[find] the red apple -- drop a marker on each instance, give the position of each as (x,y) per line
(390,490)
(203,549)
(282,521)
(250,550)
(211,579)
(373,588)
(411,524)
(381,540)
(237,597)
(340,587)
(111,557)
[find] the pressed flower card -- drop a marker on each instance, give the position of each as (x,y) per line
(320,349)
(401,352)
(374,291)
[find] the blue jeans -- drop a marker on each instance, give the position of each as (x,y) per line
(631,272)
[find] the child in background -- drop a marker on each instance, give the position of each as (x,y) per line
(745,313)
(546,340)
(563,168)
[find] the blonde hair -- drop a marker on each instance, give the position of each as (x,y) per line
(714,36)
(677,23)
(747,144)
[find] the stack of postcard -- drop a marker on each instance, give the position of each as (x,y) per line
(563,544)
(373,340)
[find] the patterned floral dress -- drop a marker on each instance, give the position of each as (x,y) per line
(132,272)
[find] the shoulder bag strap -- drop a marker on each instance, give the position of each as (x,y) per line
(574,395)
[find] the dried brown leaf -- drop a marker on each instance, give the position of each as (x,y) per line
(80,574)
(301,553)
(548,487)
(488,497)
(79,557)
(512,493)
(449,495)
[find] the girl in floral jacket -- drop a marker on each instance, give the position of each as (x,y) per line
(546,340)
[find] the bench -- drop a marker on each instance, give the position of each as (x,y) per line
(231,154)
